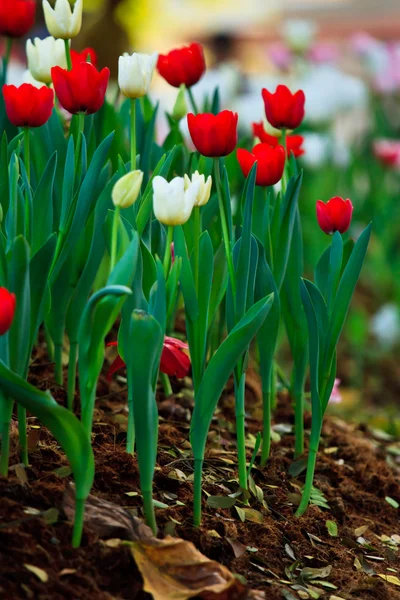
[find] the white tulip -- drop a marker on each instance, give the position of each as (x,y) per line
(43,55)
(173,204)
(62,21)
(135,73)
(204,190)
(27,77)
(126,190)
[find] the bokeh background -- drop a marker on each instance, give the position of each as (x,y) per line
(345,55)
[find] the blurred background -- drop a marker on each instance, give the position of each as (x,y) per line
(345,55)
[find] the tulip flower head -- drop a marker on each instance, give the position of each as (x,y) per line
(283,109)
(388,152)
(204,192)
(335,215)
(135,73)
(81,90)
(44,54)
(214,135)
(184,65)
(336,396)
(175,359)
(62,21)
(7,310)
(127,189)
(270,163)
(173,204)
(27,105)
(77,57)
(16,17)
(294,143)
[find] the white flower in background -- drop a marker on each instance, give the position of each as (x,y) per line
(44,54)
(173,204)
(28,78)
(62,21)
(204,192)
(127,189)
(385,325)
(317,149)
(135,73)
(299,34)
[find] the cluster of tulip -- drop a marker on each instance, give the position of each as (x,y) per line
(86,218)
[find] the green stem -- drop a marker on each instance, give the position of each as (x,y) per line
(49,343)
(166,385)
(6,58)
(196,250)
(240,430)
(114,238)
(133,134)
(192,101)
(130,438)
(274,397)
(5,448)
(311,462)
(81,129)
(225,230)
(284,176)
(297,393)
(198,476)
(88,400)
(266,441)
(68,55)
(73,355)
(150,515)
(167,255)
(23,440)
(27,161)
(78,522)
(58,364)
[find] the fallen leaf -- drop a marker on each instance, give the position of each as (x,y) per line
(289,551)
(67,572)
(40,573)
(390,579)
(172,569)
(21,474)
(310,573)
(332,528)
(238,548)
(360,530)
(252,515)
(221,501)
(392,502)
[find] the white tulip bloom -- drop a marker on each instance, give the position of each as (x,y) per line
(127,189)
(135,73)
(43,55)
(173,204)
(62,21)
(204,190)
(27,77)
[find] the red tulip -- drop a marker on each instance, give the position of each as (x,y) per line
(270,163)
(174,359)
(294,143)
(283,109)
(183,65)
(335,215)
(7,310)
(16,17)
(27,105)
(388,152)
(77,57)
(81,90)
(214,135)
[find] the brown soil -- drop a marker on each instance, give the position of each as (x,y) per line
(355,473)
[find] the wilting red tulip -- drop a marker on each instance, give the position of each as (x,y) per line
(183,65)
(7,310)
(270,163)
(388,152)
(174,359)
(283,109)
(27,105)
(16,17)
(294,143)
(81,90)
(214,135)
(77,57)
(335,215)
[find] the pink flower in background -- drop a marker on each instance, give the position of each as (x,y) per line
(280,55)
(324,52)
(388,152)
(336,396)
(363,43)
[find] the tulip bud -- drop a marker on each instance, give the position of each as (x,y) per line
(135,73)
(7,310)
(172,204)
(43,55)
(180,109)
(126,190)
(204,193)
(61,21)
(335,215)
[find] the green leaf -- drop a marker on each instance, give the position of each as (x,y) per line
(40,293)
(42,206)
(220,368)
(186,279)
(221,501)
(392,502)
(332,528)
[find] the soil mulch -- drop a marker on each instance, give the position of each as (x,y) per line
(272,550)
